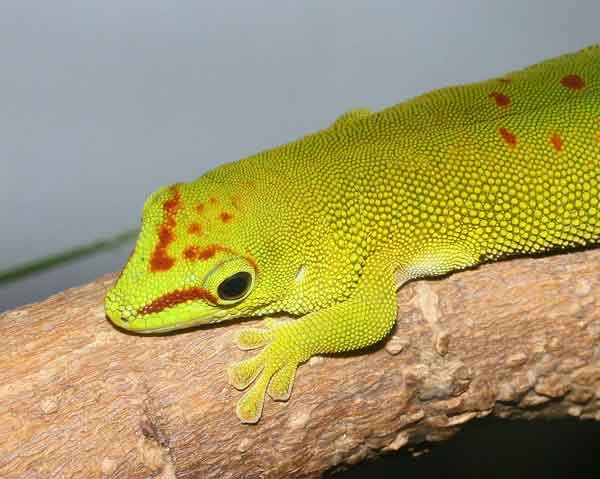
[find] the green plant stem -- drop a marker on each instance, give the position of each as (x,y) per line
(43,264)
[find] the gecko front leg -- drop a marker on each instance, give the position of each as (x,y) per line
(363,319)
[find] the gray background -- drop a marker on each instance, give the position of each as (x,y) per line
(101,102)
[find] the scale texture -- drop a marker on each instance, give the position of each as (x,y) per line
(328,227)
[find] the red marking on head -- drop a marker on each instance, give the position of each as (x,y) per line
(195,229)
(252,262)
(212,200)
(225,216)
(165,234)
(177,297)
(573,82)
(509,137)
(171,206)
(500,98)
(195,253)
(160,259)
(199,207)
(557,141)
(191,252)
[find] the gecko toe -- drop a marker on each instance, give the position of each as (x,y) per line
(280,387)
(249,407)
(243,373)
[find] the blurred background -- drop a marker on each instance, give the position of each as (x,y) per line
(104,101)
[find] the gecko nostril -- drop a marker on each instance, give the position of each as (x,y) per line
(115,312)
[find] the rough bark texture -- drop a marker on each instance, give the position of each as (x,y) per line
(79,398)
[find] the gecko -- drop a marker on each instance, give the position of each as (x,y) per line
(327,228)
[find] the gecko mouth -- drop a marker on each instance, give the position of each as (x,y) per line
(214,318)
(176,297)
(139,321)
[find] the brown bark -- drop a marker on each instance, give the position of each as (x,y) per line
(79,398)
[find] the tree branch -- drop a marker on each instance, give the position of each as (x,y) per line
(81,399)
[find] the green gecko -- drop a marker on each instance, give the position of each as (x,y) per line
(328,227)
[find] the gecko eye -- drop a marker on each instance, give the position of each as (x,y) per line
(230,281)
(235,287)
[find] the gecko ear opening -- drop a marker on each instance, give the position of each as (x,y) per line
(230,281)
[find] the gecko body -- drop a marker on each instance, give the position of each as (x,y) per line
(328,227)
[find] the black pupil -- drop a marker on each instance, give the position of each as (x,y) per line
(235,286)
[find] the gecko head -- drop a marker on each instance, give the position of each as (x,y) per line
(194,262)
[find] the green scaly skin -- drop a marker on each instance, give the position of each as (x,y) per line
(328,227)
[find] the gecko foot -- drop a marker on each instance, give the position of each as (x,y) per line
(272,370)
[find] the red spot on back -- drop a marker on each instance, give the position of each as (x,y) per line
(509,137)
(195,253)
(573,82)
(212,200)
(195,229)
(160,259)
(225,216)
(177,297)
(199,207)
(556,141)
(500,98)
